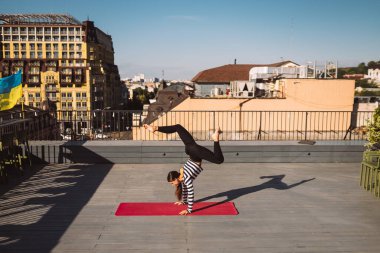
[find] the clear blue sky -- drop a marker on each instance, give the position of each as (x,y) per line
(185,37)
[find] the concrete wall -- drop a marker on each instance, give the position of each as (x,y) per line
(131,152)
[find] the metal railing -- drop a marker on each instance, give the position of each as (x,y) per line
(236,125)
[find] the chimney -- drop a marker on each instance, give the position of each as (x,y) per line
(235,62)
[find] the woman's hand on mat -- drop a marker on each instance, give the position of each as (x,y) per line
(184,212)
(179,203)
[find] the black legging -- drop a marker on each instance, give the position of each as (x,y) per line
(195,151)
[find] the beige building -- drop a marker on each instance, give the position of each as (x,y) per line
(64,61)
(320,106)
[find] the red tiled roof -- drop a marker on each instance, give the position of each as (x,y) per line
(230,72)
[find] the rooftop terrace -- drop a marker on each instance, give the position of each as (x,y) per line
(283,207)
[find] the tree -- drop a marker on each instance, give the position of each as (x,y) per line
(362,68)
(374,131)
(372,64)
(364,83)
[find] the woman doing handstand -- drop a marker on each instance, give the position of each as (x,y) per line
(183,180)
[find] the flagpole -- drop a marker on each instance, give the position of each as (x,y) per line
(22,106)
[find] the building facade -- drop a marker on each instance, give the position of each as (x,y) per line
(374,74)
(64,62)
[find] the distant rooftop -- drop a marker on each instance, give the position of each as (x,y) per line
(230,72)
(17,19)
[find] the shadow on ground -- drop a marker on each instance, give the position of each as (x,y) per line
(275,182)
(37,209)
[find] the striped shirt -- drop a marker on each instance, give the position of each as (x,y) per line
(190,172)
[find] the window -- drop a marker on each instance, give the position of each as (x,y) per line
(30,95)
(84,94)
(32,55)
(15,46)
(69,94)
(16,55)
(32,38)
(55,47)
(64,46)
(31,30)
(78,104)
(78,94)
(38,94)
(63,94)
(39,46)
(23,55)
(31,104)
(7,55)
(63,104)
(23,46)
(55,54)
(32,46)
(84,104)
(38,104)
(69,104)
(39,55)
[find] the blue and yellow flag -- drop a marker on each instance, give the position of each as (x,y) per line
(10,91)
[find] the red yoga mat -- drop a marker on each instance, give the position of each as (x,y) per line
(165,209)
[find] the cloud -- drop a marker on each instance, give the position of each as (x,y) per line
(184,17)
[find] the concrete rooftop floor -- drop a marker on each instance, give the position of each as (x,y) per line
(283,208)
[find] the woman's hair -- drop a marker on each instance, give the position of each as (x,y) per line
(173,175)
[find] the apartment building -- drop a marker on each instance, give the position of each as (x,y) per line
(63,60)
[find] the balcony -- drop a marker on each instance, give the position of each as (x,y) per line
(66,81)
(51,81)
(33,81)
(66,99)
(53,99)
(34,64)
(51,89)
(18,63)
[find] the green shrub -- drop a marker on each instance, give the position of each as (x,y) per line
(374,131)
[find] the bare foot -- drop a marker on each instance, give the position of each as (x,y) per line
(150,128)
(215,135)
